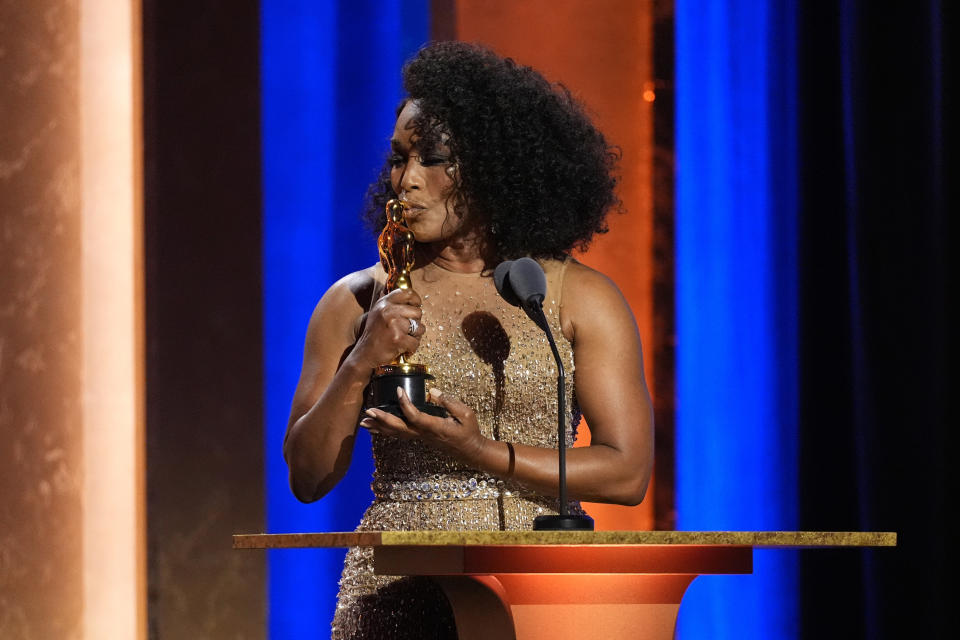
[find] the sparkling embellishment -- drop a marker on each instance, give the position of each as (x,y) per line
(452,488)
(494,359)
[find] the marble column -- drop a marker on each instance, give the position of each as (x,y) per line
(41,359)
(71,505)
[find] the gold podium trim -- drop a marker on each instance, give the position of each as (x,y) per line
(759,539)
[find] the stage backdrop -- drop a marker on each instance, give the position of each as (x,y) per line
(331,81)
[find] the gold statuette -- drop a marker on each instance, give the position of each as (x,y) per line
(396,245)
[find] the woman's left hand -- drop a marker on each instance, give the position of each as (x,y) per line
(459,434)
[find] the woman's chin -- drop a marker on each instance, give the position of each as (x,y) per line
(423,233)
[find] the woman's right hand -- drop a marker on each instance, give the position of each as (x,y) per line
(386,329)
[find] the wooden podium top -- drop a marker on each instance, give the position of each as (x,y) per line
(756,539)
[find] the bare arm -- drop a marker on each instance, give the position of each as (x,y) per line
(611,390)
(336,368)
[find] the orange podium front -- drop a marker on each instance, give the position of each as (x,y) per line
(565,584)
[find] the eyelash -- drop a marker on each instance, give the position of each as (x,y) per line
(396,160)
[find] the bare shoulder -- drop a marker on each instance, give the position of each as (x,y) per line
(581,280)
(354,289)
(345,302)
(591,299)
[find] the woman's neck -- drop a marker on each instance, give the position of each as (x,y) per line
(463,255)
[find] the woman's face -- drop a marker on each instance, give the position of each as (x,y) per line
(425,178)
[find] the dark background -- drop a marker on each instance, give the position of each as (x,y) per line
(873,99)
(202,198)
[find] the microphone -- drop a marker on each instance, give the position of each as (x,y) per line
(523,284)
(500,279)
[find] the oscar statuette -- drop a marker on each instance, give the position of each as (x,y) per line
(396,244)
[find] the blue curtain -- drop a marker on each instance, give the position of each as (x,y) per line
(736,297)
(330,85)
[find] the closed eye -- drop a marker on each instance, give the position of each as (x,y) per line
(432,161)
(396,160)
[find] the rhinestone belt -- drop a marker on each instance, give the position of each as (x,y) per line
(446,487)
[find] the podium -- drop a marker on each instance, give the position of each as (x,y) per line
(565,584)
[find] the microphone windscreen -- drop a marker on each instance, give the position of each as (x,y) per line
(528,281)
(501,278)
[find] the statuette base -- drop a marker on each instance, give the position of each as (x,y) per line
(412,378)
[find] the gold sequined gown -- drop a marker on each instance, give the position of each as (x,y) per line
(493,357)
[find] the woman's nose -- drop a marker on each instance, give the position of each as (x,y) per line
(411,177)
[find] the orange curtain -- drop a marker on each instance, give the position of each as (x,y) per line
(603,52)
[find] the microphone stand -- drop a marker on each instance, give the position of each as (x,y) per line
(563,521)
(522,283)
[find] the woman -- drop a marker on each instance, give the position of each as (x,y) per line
(493,163)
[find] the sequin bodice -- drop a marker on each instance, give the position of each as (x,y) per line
(497,361)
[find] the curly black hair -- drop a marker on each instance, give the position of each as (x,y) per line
(531,163)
